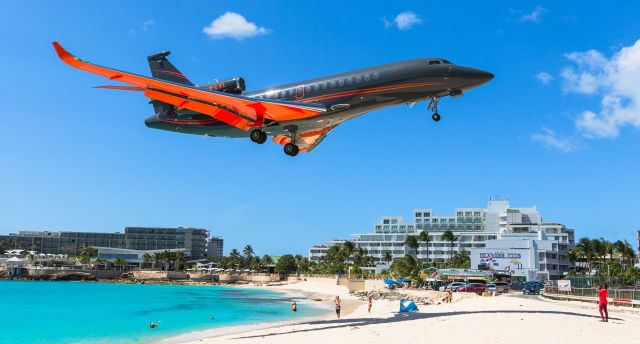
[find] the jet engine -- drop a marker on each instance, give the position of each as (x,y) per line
(234,85)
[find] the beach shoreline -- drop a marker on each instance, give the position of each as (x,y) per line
(294,290)
(470,318)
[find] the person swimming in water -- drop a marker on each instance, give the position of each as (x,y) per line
(211,317)
(294,306)
(154,325)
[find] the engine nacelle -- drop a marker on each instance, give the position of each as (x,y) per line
(234,85)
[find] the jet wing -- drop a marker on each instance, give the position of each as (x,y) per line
(307,140)
(241,112)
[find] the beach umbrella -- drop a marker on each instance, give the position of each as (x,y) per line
(389,281)
(404,280)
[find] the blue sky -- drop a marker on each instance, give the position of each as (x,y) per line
(556,128)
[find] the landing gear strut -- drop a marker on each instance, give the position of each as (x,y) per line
(258,136)
(433,106)
(291,148)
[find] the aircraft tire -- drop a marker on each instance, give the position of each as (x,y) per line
(291,149)
(258,136)
(436,117)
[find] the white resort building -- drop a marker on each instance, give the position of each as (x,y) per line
(475,229)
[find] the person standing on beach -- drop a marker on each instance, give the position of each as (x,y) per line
(370,303)
(603,293)
(337,303)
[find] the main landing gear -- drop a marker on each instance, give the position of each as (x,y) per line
(433,106)
(291,148)
(258,136)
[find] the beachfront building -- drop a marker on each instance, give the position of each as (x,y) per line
(135,257)
(134,238)
(318,251)
(472,228)
(68,243)
(159,238)
(215,247)
(538,254)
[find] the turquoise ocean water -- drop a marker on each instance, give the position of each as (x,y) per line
(80,312)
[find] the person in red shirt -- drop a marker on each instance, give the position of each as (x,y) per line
(602,303)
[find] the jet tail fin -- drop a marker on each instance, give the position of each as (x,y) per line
(161,68)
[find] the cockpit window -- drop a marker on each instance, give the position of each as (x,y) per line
(446,62)
(434,62)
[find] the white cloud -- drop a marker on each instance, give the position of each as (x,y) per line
(232,25)
(552,141)
(147,24)
(404,20)
(544,77)
(535,16)
(615,81)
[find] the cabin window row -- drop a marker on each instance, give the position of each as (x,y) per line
(322,86)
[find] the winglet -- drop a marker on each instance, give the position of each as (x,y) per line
(64,55)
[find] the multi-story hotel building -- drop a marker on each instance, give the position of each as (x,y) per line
(472,227)
(215,247)
(133,238)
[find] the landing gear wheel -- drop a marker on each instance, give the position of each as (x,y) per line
(291,149)
(436,117)
(258,136)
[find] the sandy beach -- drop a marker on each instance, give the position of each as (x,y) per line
(503,319)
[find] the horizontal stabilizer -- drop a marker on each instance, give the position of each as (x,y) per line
(122,88)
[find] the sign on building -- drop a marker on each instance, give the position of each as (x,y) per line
(564,285)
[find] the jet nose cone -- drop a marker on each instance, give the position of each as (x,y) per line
(473,76)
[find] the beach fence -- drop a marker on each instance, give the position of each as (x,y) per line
(617,296)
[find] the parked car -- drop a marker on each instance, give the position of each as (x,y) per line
(517,285)
(532,287)
(502,287)
(452,286)
(477,288)
(492,287)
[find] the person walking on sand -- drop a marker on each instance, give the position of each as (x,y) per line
(337,303)
(603,293)
(370,303)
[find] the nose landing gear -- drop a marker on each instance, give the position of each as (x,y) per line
(433,106)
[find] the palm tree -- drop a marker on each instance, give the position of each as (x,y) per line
(120,262)
(448,236)
(408,266)
(157,259)
(387,256)
(412,242)
(247,252)
(100,261)
(179,260)
(267,260)
(620,248)
(147,258)
(346,249)
(585,248)
(426,238)
(3,245)
(235,260)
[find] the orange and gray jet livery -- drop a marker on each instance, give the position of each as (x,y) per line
(298,115)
